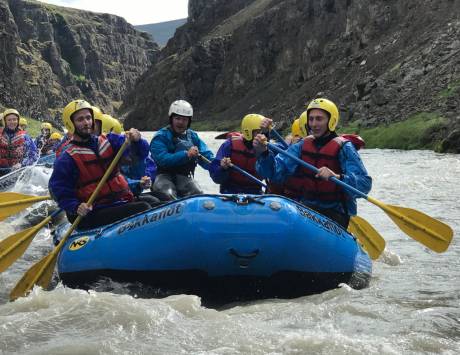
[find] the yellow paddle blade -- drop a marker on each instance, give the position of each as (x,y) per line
(14,196)
(373,243)
(427,230)
(12,247)
(39,274)
(11,207)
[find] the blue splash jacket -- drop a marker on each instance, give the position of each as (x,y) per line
(164,152)
(63,180)
(279,167)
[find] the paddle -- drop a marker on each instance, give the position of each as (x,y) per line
(42,271)
(12,247)
(12,203)
(237,168)
(280,138)
(372,242)
(432,233)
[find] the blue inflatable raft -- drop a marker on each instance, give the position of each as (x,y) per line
(223,248)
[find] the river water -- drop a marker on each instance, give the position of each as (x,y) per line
(411,307)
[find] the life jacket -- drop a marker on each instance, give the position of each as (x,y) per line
(12,149)
(246,159)
(181,143)
(357,141)
(91,169)
(304,183)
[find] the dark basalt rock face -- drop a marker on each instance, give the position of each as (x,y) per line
(51,55)
(381,61)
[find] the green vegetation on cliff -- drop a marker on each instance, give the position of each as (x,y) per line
(420,131)
(451,90)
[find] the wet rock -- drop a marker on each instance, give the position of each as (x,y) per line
(451,144)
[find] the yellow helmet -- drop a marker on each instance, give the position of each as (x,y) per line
(56,135)
(117,126)
(9,112)
(110,124)
(295,129)
(46,125)
(97,113)
(325,105)
(303,124)
(70,109)
(22,122)
(249,123)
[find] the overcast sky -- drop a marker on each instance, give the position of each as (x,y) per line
(136,12)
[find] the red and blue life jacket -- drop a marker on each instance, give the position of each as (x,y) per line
(91,169)
(12,149)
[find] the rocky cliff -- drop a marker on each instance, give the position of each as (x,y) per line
(381,61)
(51,55)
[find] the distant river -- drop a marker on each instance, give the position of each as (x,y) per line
(411,307)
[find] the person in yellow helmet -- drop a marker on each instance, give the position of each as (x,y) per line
(334,156)
(81,166)
(52,143)
(23,124)
(296,134)
(238,150)
(17,149)
(42,141)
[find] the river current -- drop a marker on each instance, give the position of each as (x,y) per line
(411,307)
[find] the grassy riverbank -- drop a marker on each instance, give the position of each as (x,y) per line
(34,126)
(420,131)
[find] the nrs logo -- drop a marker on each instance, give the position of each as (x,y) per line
(79,243)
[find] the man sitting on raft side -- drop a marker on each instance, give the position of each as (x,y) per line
(331,154)
(176,149)
(81,166)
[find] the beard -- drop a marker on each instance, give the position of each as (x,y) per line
(83,135)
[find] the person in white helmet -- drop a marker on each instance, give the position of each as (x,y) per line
(176,150)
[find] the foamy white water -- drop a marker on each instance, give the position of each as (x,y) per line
(411,306)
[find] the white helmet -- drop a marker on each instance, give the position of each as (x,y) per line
(181,108)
